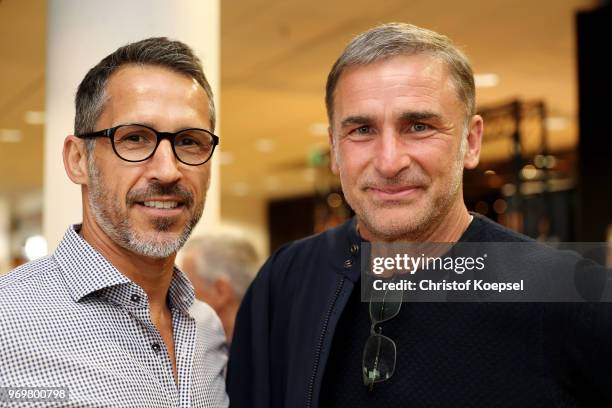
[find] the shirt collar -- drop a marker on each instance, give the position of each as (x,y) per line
(86,272)
(181,294)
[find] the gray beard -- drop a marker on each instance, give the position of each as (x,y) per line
(123,234)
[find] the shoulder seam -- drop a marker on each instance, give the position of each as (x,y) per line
(34,270)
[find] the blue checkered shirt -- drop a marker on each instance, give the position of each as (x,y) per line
(72,320)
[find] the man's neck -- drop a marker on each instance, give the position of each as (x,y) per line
(153,275)
(227,316)
(447,228)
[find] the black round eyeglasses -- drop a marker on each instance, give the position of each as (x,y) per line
(136,143)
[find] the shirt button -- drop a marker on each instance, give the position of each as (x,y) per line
(155,347)
(354,249)
(135,298)
(348,263)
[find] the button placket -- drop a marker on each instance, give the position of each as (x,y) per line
(164,369)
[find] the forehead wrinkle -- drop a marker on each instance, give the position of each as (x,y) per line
(146,87)
(427,84)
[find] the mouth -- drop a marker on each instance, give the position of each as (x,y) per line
(392,193)
(161,204)
(161,207)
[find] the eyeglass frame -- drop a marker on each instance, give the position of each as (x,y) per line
(374,334)
(170,136)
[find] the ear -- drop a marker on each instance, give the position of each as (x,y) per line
(75,160)
(332,151)
(224,291)
(471,157)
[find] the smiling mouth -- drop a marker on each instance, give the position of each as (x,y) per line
(160,207)
(393,190)
(393,193)
(161,204)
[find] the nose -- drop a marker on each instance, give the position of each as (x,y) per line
(392,155)
(164,166)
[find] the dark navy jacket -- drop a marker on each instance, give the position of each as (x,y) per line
(285,327)
(285,324)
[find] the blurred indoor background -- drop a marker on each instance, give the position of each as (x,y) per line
(539,73)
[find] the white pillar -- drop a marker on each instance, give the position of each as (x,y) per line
(80,34)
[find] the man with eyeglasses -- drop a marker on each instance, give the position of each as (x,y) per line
(107,320)
(401,107)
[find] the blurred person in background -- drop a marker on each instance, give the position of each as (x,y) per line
(107,316)
(220,267)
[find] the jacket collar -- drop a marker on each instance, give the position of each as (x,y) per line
(346,249)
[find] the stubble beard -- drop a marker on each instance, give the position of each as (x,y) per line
(122,232)
(422,220)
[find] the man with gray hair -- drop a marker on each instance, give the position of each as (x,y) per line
(402,127)
(107,320)
(220,267)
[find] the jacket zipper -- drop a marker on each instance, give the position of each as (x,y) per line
(320,343)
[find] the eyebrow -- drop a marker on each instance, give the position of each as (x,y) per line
(410,116)
(415,116)
(356,120)
(139,122)
(152,126)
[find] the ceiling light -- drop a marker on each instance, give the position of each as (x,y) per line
(35,247)
(539,161)
(318,129)
(310,175)
(34,118)
(272,184)
(508,189)
(529,172)
(264,145)
(240,189)
(10,135)
(556,123)
(486,80)
(226,158)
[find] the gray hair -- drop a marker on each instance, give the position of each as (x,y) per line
(158,51)
(395,39)
(224,255)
